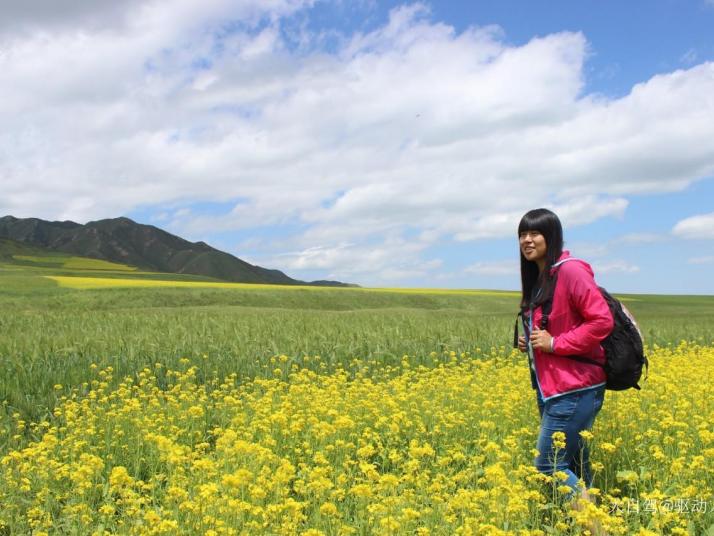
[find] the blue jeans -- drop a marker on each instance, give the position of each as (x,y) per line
(570,413)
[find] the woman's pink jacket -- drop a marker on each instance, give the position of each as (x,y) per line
(579,320)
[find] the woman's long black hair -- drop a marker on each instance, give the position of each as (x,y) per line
(546,223)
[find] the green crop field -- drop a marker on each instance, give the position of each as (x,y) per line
(52,333)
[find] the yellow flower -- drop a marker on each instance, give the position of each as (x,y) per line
(558,440)
(560,475)
(361,490)
(627,476)
(106,509)
(195,411)
(151,517)
(119,477)
(609,448)
(390,524)
(586,434)
(328,509)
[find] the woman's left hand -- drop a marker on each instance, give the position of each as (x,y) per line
(541,340)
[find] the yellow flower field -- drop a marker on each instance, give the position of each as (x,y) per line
(423,451)
(84,283)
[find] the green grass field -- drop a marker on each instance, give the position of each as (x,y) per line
(52,333)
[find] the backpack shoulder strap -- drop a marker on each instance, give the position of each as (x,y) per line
(546,307)
(515,329)
(548,303)
(560,263)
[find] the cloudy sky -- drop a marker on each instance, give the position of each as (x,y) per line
(370,141)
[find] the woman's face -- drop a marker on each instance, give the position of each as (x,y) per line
(533,246)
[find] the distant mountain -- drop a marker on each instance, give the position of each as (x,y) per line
(144,246)
(9,248)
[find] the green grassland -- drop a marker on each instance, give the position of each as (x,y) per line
(51,335)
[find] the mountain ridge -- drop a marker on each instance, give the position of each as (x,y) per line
(148,247)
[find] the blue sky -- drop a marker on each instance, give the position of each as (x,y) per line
(379,142)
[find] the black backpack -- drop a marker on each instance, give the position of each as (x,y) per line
(624,348)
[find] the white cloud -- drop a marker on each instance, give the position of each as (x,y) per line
(709,259)
(375,264)
(587,250)
(497,268)
(601,253)
(701,226)
(615,266)
(640,238)
(29,17)
(412,126)
(601,249)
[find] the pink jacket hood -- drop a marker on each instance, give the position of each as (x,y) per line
(579,320)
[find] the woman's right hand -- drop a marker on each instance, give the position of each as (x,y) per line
(522,344)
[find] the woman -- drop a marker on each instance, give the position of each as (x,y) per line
(569,392)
